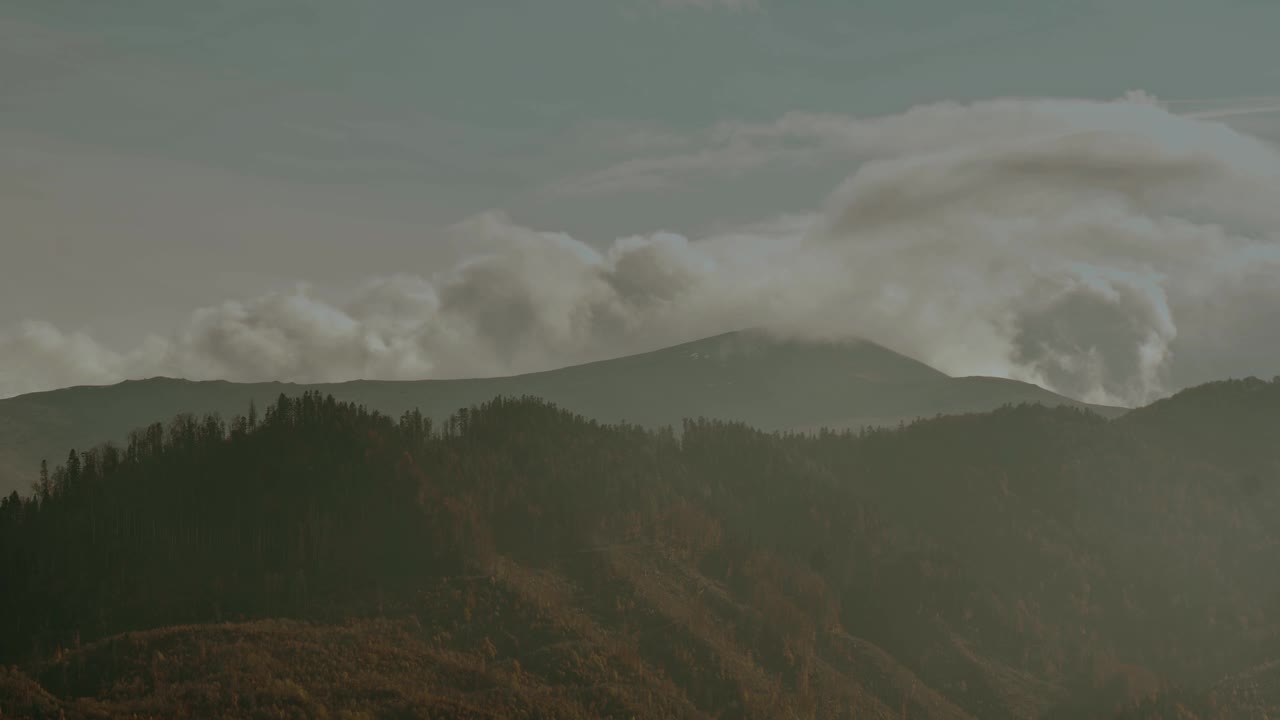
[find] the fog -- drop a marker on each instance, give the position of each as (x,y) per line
(1111,251)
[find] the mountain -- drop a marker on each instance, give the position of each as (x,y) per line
(744,376)
(520,560)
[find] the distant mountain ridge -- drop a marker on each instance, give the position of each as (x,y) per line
(744,376)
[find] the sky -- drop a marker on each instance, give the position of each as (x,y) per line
(1077,193)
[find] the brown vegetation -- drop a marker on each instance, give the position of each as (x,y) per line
(521,561)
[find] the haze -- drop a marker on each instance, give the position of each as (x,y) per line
(321,192)
(694,359)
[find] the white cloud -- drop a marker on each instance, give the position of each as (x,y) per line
(732,148)
(1236,112)
(1112,251)
(1215,108)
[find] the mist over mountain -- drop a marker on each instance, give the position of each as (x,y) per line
(631,359)
(748,376)
(1113,251)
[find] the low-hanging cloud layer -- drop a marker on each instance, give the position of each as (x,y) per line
(1113,251)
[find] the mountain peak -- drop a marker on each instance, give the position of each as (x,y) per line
(771,352)
(771,381)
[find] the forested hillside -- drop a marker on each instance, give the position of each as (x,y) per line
(745,376)
(518,560)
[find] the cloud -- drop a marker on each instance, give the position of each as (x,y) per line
(725,160)
(804,139)
(1211,109)
(1110,250)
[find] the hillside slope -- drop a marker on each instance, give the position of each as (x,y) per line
(741,376)
(519,560)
